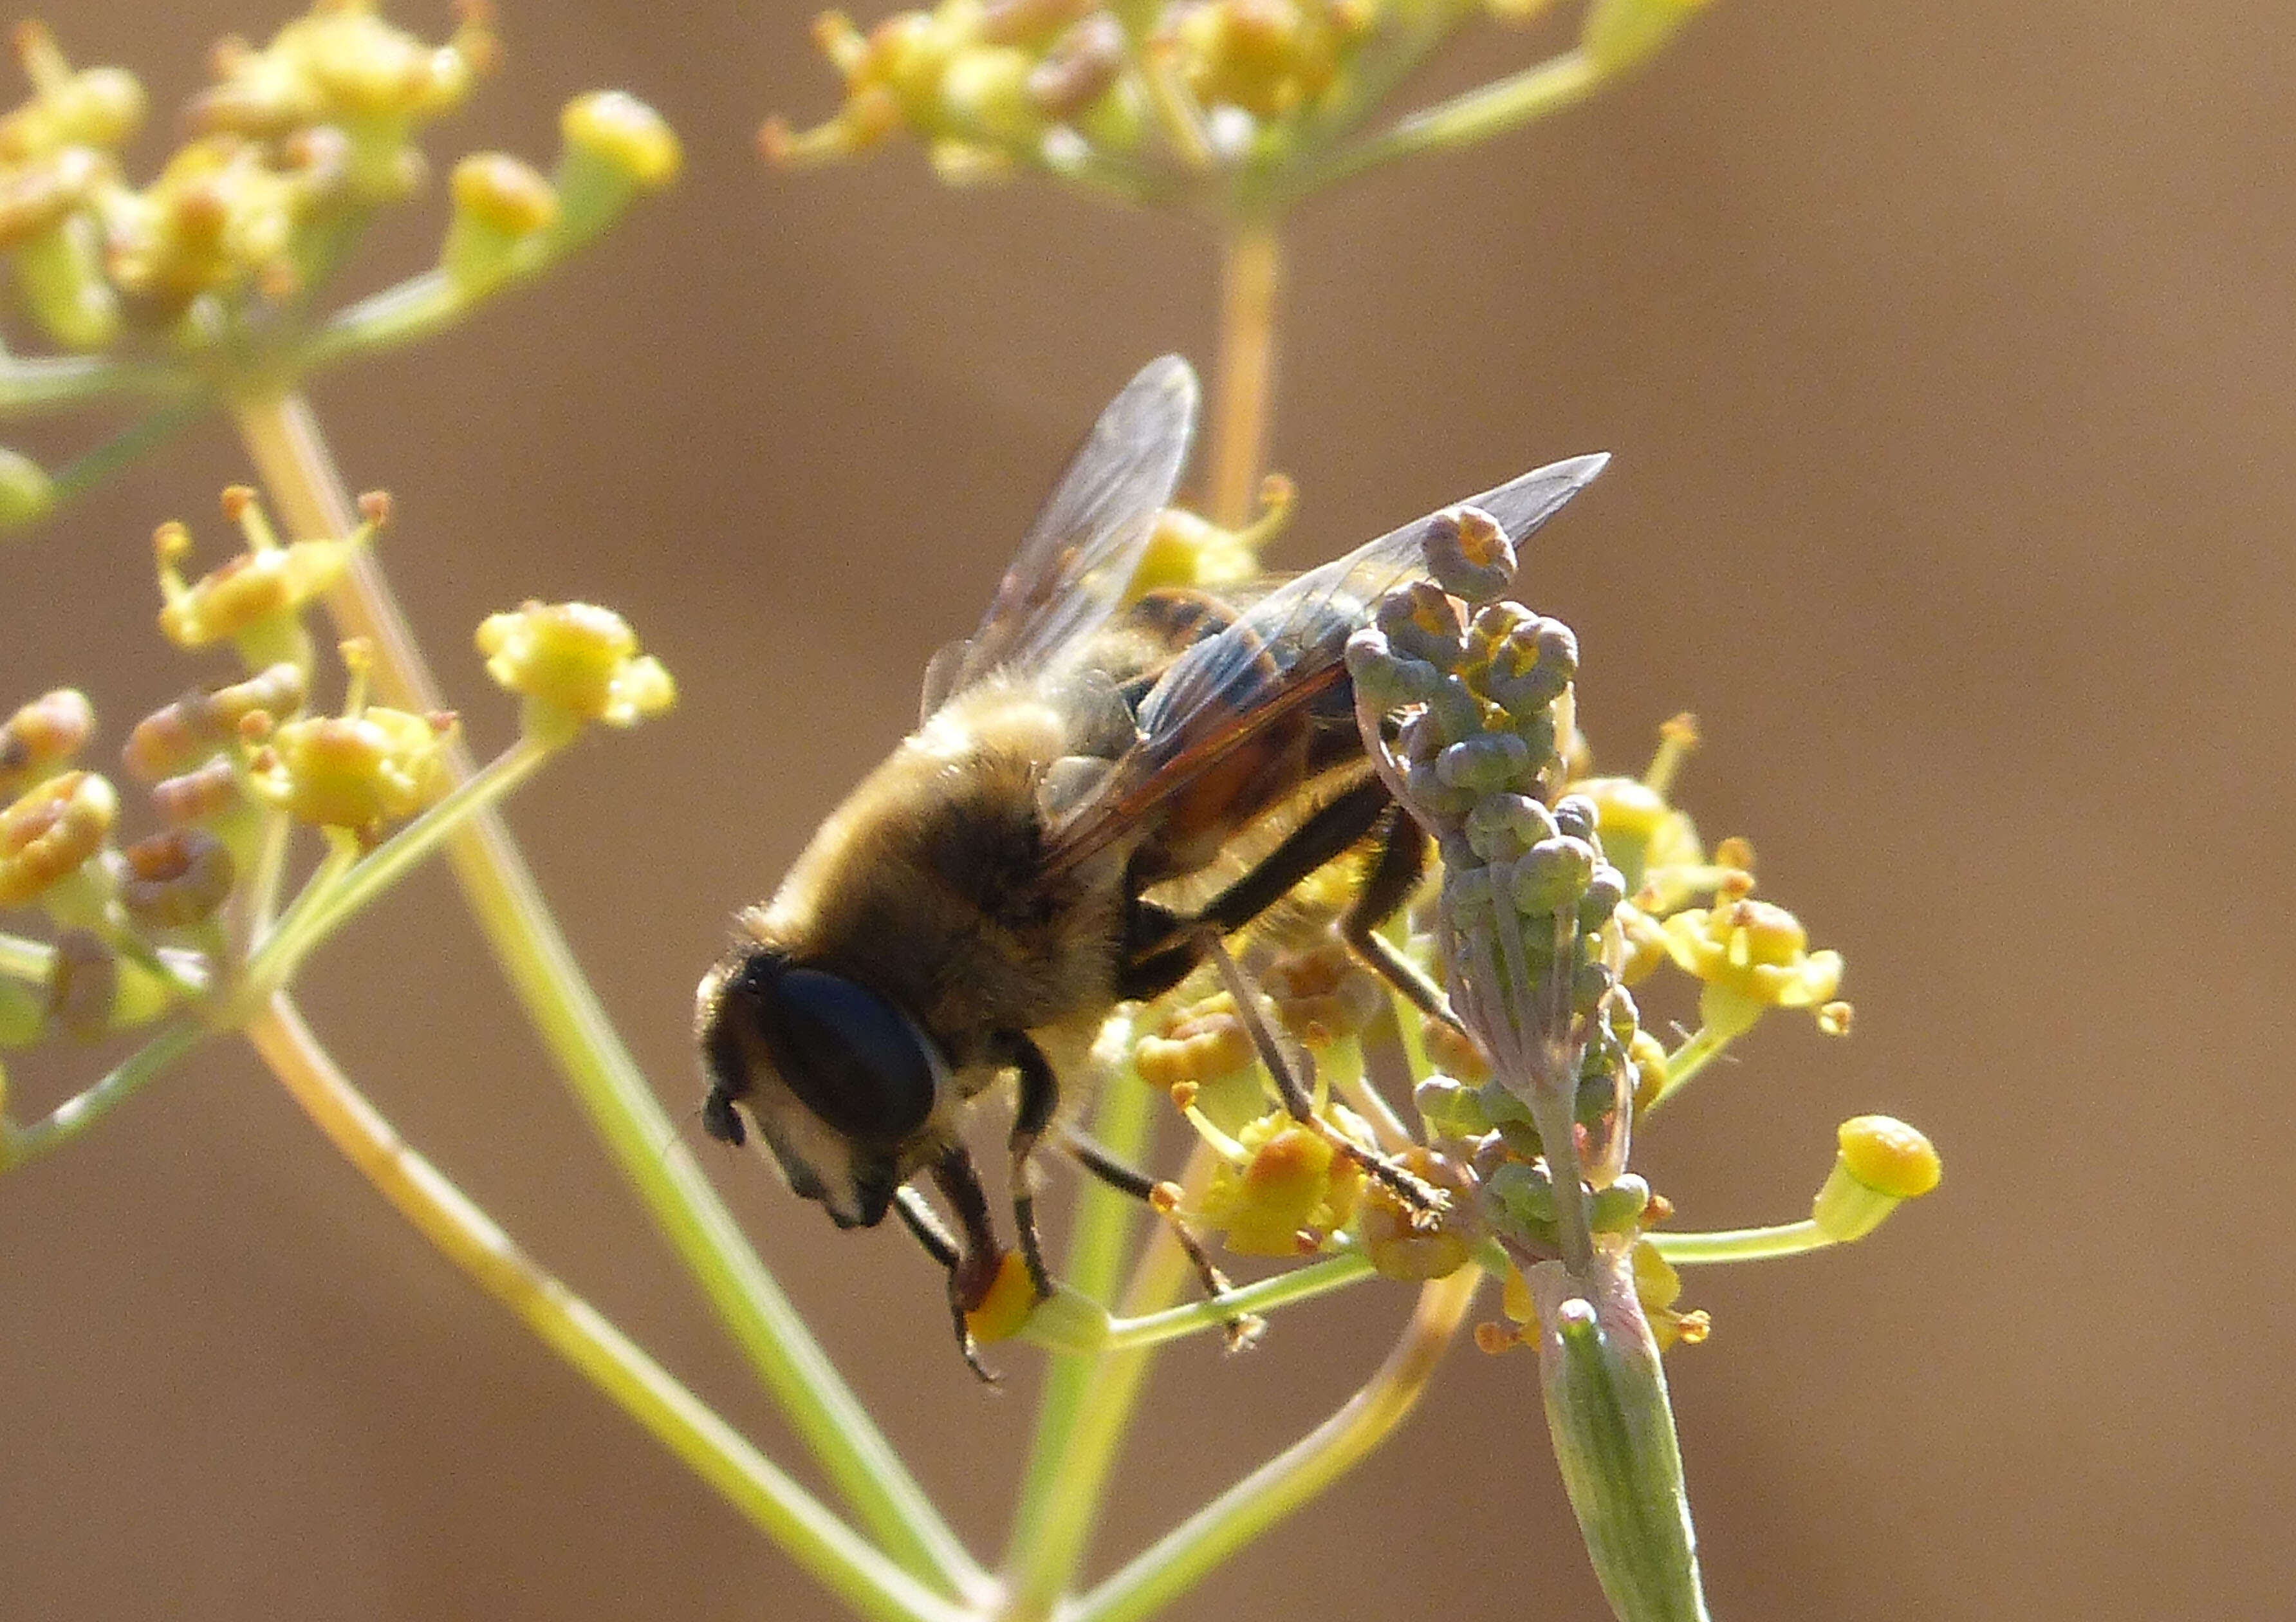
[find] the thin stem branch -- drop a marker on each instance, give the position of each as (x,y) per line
(1182,1557)
(1251,269)
(1478,115)
(1294,1285)
(1741,1244)
(1058,1500)
(1701,1048)
(284,441)
(83,1109)
(600,1353)
(86,472)
(36,385)
(335,901)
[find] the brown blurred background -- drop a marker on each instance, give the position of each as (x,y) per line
(1946,353)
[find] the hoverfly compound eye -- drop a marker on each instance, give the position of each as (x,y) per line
(851,1057)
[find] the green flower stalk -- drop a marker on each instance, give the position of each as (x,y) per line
(1527,937)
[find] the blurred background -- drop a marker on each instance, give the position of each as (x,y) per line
(1946,354)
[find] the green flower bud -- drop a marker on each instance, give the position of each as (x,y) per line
(1470,553)
(1553,874)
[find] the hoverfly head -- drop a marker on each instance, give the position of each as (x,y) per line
(839,1082)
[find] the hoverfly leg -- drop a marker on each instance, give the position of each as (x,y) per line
(1394,874)
(1244,1329)
(1294,1074)
(1039,1097)
(918,1216)
(976,1256)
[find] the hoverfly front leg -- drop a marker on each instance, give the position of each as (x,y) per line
(973,1261)
(918,1216)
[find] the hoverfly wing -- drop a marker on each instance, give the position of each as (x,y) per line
(1081,553)
(1277,658)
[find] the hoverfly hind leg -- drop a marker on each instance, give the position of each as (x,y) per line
(1244,1329)
(1395,873)
(1293,1074)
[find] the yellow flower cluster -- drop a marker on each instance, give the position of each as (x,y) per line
(1224,105)
(319,121)
(294,144)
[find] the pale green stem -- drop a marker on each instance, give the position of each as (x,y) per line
(275,961)
(1296,1285)
(1071,1322)
(1496,108)
(83,1109)
(1251,274)
(413,309)
(86,472)
(1740,1244)
(1381,1061)
(40,385)
(1088,1395)
(1213,1535)
(254,904)
(334,897)
(848,1566)
(284,441)
(1698,1051)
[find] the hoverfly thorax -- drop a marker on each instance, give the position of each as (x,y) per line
(837,1080)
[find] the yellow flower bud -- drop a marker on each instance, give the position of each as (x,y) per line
(50,831)
(1752,956)
(356,771)
(576,660)
(1618,34)
(258,590)
(1290,1191)
(43,737)
(93,107)
(177,879)
(500,204)
(26,491)
(623,135)
(1202,1042)
(1883,1162)
(203,721)
(1401,1241)
(1322,994)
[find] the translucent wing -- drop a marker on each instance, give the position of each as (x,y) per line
(1276,660)
(1082,550)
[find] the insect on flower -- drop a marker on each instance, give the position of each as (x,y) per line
(1057,837)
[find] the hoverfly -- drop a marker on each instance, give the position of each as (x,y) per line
(981,901)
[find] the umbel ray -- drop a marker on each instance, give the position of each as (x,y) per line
(981,901)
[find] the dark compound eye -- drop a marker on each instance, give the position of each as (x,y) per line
(848,1055)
